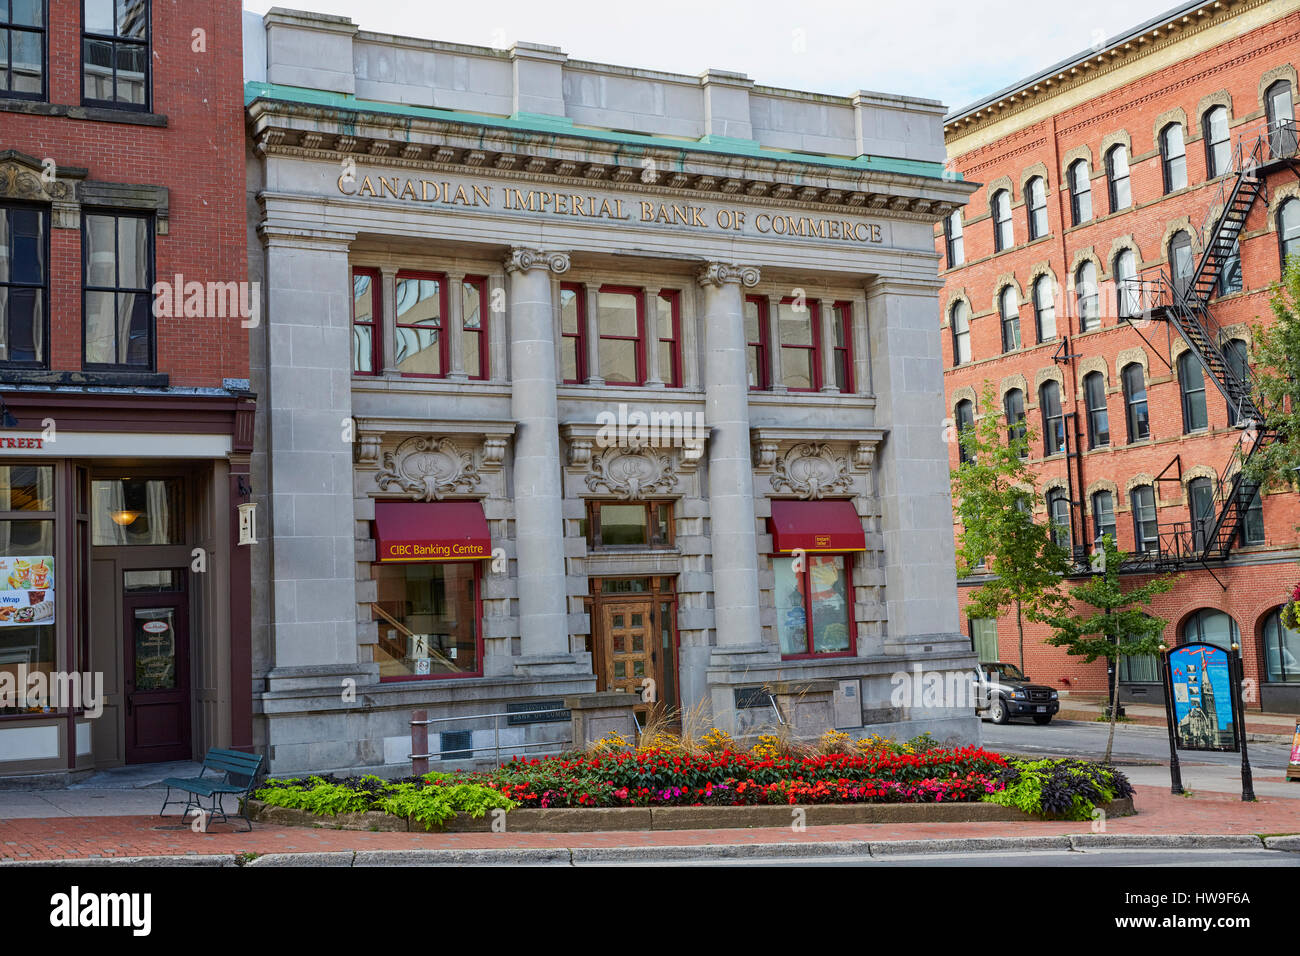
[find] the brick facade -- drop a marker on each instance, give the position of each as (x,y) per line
(1126,93)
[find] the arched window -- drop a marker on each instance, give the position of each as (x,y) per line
(1288,229)
(1173,156)
(1058,512)
(1010,310)
(1133,379)
(1200,504)
(1213,627)
(1044,309)
(1191,382)
(1094,395)
(1281,651)
(965,425)
(1218,149)
(1103,516)
(1085,295)
(960,318)
(1036,200)
(1127,294)
(1238,356)
(1180,261)
(1002,236)
(1080,192)
(953,239)
(1117,178)
(1280,110)
(1049,403)
(1013,404)
(1146,531)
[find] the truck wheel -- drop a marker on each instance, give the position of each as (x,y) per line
(1043,720)
(998,711)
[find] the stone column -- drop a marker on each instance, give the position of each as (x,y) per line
(731,476)
(591,335)
(912,476)
(539,526)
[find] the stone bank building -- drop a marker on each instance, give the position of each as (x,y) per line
(582,378)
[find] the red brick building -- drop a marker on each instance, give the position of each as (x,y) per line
(1137,202)
(126,420)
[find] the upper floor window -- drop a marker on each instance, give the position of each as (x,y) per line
(1180,262)
(1013,404)
(1036,200)
(1080,192)
(1103,516)
(24,285)
(1128,295)
(1133,378)
(669,304)
(1146,530)
(1117,178)
(573,334)
(1058,513)
(1010,310)
(620,318)
(1044,308)
(960,320)
(953,239)
(115,53)
(1281,650)
(841,328)
(1200,501)
(756,339)
(1252,524)
(1049,403)
(799,327)
(1094,395)
(965,420)
(1218,148)
(1237,355)
(474,326)
(1002,234)
(117,277)
(640,525)
(421,342)
(22,49)
(1191,381)
(1173,157)
(1280,110)
(1086,296)
(1230,271)
(1288,229)
(367,322)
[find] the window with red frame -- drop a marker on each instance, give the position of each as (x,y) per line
(621,320)
(814,605)
(366,322)
(670,337)
(573,325)
(842,345)
(474,324)
(421,348)
(797,322)
(756,337)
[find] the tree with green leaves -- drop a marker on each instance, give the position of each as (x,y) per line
(1276,360)
(993,491)
(1113,622)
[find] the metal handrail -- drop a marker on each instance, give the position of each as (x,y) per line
(496,718)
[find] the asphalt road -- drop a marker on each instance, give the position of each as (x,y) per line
(1020,858)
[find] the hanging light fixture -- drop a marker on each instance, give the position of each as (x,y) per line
(124,517)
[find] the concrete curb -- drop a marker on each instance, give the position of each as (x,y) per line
(1182,841)
(186,859)
(1291,843)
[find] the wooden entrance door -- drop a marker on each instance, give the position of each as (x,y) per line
(630,658)
(635,641)
(157,681)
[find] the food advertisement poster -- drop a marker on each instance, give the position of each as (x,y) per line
(26,590)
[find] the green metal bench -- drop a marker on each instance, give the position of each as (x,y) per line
(234,773)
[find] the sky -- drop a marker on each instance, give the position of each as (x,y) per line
(956,52)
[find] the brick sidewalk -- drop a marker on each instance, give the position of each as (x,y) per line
(79,838)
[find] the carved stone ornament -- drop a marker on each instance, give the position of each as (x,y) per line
(812,471)
(721,273)
(368,447)
(632,474)
(428,469)
(522,259)
(19,182)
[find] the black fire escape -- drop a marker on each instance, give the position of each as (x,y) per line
(1184,302)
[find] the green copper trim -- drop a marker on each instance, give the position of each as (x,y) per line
(561,125)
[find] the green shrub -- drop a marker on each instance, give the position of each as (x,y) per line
(1059,789)
(435,805)
(432,801)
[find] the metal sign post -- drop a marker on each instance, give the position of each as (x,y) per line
(1247,782)
(1175,772)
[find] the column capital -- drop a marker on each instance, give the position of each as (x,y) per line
(904,285)
(522,259)
(720,273)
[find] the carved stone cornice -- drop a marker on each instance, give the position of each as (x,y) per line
(812,471)
(632,474)
(523,259)
(29,179)
(429,469)
(721,273)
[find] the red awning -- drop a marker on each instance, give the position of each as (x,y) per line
(815,526)
(431,531)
